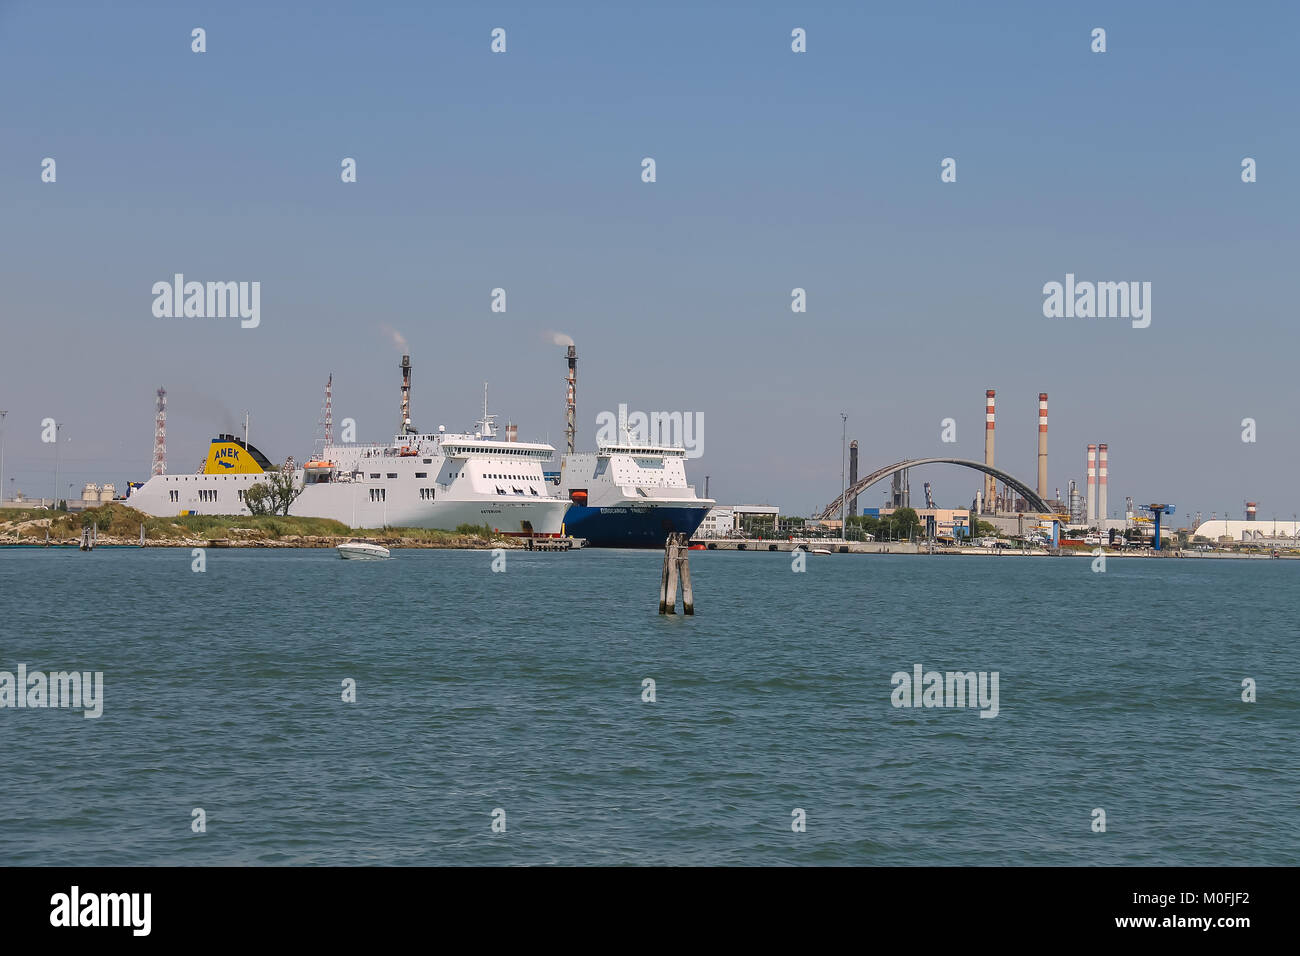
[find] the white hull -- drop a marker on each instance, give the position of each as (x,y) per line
(360,551)
(354,504)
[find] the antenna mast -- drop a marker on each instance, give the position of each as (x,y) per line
(327,415)
(159,436)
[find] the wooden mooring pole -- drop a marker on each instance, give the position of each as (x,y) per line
(677,567)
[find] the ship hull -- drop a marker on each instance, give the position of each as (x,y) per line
(354,506)
(632,527)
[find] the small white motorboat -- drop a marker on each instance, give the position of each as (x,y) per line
(821,551)
(363,550)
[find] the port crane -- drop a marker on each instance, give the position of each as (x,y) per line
(1158,511)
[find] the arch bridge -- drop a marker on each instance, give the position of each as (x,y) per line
(1011,481)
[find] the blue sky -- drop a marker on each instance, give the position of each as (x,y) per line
(775,170)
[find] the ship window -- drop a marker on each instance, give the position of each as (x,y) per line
(428,461)
(374,474)
(421,474)
(392,474)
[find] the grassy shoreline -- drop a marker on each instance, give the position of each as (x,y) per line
(120,525)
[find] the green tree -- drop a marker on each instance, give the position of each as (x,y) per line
(258,498)
(282,492)
(903,522)
(866,524)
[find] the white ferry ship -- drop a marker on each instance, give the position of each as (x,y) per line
(418,480)
(629,495)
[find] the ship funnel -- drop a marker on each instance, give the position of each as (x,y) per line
(571,406)
(405,425)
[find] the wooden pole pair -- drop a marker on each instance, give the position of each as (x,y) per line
(677,566)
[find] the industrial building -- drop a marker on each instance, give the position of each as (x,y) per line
(722,521)
(947,522)
(719,522)
(92,496)
(1261,533)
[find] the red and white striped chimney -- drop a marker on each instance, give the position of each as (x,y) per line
(990,483)
(1102,471)
(1092,483)
(1042,445)
(1250,511)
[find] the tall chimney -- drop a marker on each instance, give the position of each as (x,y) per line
(1042,445)
(1092,483)
(990,483)
(853,475)
(1102,513)
(406,395)
(571,405)
(1250,511)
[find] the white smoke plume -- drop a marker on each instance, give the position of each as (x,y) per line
(398,339)
(559,338)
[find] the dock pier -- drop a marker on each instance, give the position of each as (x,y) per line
(554,544)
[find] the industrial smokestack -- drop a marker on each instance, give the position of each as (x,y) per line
(1092,482)
(853,475)
(406,396)
(990,483)
(571,404)
(1250,511)
(1042,445)
(1102,513)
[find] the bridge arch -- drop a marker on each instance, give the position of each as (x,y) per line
(1011,481)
